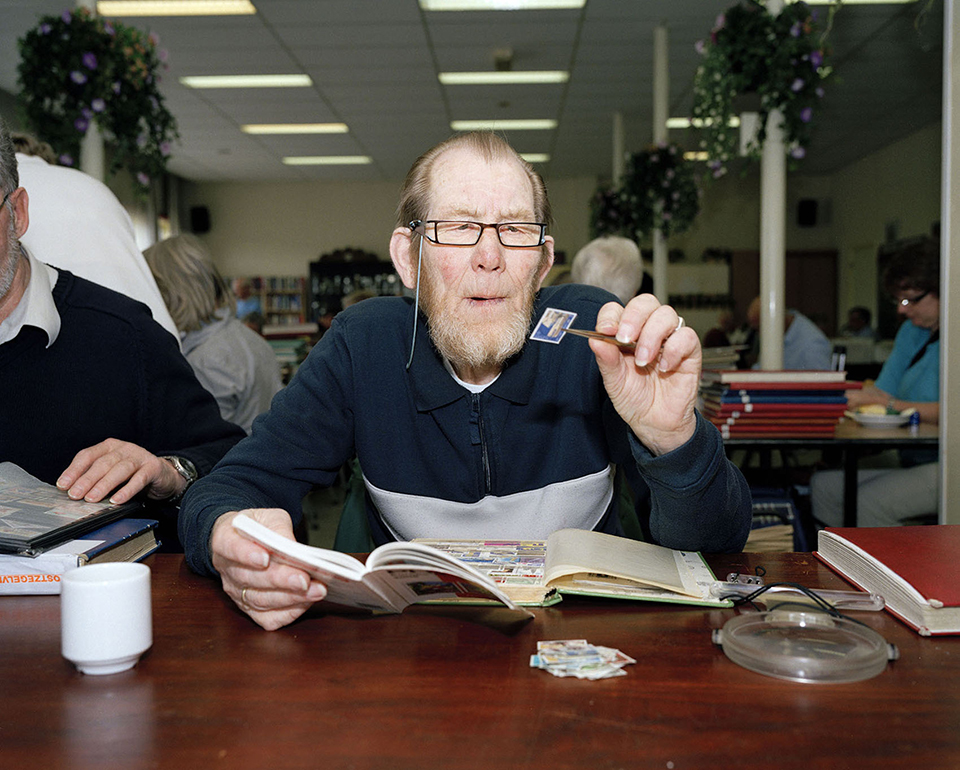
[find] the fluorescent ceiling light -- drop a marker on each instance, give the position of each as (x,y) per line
(696,156)
(294,128)
(502,78)
(856,2)
(175,7)
(535,157)
(246,81)
(327,160)
(734,121)
(499,5)
(503,125)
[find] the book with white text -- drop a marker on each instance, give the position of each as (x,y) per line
(122,540)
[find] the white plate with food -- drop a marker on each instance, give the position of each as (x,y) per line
(880,420)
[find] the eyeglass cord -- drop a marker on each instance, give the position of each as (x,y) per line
(416,305)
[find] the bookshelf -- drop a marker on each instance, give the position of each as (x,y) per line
(283,299)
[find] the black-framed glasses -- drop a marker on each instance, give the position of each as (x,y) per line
(910,301)
(514,235)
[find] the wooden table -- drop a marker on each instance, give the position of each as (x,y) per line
(435,688)
(853,441)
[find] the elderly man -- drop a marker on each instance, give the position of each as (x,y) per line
(464,427)
(94,390)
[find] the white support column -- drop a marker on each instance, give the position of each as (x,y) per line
(661,102)
(773,255)
(949,278)
(92,154)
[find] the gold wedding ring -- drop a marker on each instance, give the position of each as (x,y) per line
(243,598)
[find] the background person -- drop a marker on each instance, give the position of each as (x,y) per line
(232,361)
(805,346)
(77,223)
(461,426)
(858,324)
(905,486)
(612,263)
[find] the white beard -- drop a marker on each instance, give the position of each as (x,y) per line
(8,267)
(472,345)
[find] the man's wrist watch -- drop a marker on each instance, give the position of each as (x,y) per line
(186,469)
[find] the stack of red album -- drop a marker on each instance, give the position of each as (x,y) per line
(776,404)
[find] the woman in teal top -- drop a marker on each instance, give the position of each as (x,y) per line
(907,489)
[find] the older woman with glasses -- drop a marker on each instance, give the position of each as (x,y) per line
(907,488)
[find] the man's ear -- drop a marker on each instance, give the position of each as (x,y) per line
(548,262)
(21,213)
(404,256)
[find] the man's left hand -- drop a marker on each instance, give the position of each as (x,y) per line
(654,386)
(98,470)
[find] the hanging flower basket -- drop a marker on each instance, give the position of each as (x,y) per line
(659,192)
(78,68)
(780,60)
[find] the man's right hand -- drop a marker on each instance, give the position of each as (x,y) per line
(271,593)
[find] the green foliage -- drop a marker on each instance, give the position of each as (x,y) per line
(778,58)
(659,191)
(76,68)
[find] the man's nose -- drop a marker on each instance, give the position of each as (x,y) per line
(488,253)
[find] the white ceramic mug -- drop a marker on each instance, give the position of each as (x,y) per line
(105,616)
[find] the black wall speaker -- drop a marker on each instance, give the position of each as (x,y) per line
(199,219)
(807,212)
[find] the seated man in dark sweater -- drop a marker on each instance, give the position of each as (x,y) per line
(97,397)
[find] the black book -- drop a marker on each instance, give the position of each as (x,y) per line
(35,516)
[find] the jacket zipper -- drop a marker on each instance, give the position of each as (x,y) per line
(478,422)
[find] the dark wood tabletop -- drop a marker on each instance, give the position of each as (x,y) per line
(444,687)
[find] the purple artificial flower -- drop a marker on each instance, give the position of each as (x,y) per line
(816,59)
(65,160)
(98,105)
(165,148)
(666,216)
(795,29)
(819,91)
(87,113)
(89,60)
(81,124)
(66,17)
(805,114)
(45,29)
(108,28)
(700,47)
(163,55)
(116,86)
(154,39)
(797,84)
(143,178)
(78,77)
(798,152)
(720,22)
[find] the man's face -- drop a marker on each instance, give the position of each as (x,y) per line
(479,299)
